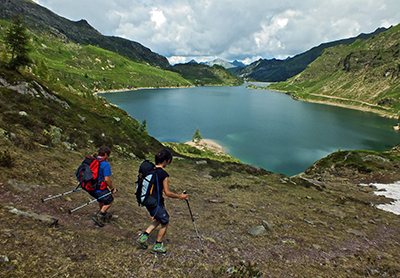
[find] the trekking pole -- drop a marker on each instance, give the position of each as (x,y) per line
(88,203)
(59,195)
(194,224)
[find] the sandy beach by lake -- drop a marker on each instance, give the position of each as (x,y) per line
(207,143)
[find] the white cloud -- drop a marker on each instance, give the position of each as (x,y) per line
(158,17)
(183,30)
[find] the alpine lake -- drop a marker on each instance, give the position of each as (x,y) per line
(259,127)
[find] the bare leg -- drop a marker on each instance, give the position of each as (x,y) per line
(104,208)
(162,232)
(152,226)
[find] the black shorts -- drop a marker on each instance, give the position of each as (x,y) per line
(161,214)
(105,200)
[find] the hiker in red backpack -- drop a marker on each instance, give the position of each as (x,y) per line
(101,217)
(158,212)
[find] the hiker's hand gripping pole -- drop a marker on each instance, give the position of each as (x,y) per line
(194,224)
(88,203)
(59,195)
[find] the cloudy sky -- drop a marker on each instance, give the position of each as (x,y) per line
(245,30)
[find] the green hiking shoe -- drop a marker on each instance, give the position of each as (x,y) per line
(142,241)
(98,219)
(159,249)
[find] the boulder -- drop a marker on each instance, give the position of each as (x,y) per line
(257,230)
(41,217)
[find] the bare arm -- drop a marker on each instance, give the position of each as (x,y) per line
(109,184)
(168,193)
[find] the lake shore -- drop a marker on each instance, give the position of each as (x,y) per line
(365,108)
(207,144)
(139,88)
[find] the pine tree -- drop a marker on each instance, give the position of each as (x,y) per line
(17,43)
(143,126)
(197,136)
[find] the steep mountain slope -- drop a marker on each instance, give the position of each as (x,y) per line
(74,55)
(33,116)
(43,20)
(88,69)
(275,70)
(363,75)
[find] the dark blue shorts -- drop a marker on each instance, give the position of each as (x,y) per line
(162,214)
(105,200)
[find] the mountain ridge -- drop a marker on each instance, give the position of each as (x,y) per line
(232,66)
(41,18)
(364,75)
(275,70)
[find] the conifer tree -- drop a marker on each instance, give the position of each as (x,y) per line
(197,136)
(143,126)
(17,43)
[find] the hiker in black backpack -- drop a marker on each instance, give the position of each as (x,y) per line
(101,217)
(157,209)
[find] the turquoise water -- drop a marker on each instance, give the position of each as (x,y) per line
(259,127)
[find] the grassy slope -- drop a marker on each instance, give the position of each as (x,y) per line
(93,68)
(333,232)
(364,75)
(279,70)
(89,68)
(86,123)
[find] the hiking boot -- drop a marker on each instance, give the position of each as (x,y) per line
(142,241)
(159,249)
(98,219)
(107,218)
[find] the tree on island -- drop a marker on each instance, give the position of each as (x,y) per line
(16,40)
(197,136)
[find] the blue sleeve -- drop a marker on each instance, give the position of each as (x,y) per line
(107,170)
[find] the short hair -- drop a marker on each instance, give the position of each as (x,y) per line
(162,156)
(103,150)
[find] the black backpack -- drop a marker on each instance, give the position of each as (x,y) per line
(87,173)
(147,189)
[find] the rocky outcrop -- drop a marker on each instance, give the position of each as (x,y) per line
(34,90)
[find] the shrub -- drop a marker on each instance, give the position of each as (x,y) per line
(6,160)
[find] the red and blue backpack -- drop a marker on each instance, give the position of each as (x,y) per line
(88,176)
